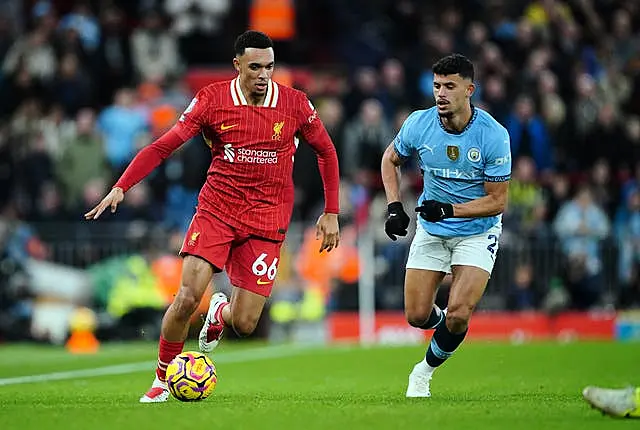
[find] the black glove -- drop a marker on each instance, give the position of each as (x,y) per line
(434,211)
(397,221)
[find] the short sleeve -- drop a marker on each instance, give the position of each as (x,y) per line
(194,117)
(404,142)
(498,157)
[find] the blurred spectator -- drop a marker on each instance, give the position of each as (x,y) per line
(6,38)
(630,147)
(365,86)
(529,135)
(558,192)
(606,141)
(494,96)
(522,296)
(16,301)
(113,68)
(154,51)
(82,20)
(35,170)
(525,197)
(393,90)
(198,25)
(56,129)
(586,105)
(542,13)
(7,169)
(122,127)
(82,160)
(603,189)
(365,139)
(581,225)
(72,88)
(35,51)
(627,231)
(553,109)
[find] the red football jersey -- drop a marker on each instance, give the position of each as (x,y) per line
(249,182)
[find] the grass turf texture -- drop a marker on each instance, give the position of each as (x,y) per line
(484,386)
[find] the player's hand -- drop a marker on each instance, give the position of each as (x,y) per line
(328,229)
(397,221)
(434,211)
(113,199)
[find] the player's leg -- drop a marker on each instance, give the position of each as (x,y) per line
(427,265)
(420,288)
(472,261)
(467,287)
(624,402)
(244,311)
(205,250)
(196,276)
(252,268)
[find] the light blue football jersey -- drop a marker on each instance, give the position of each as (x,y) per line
(456,166)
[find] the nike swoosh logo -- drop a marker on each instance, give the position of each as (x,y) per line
(261,282)
(227,127)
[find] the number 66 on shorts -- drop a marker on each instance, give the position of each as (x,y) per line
(250,261)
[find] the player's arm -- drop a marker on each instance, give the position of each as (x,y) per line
(151,156)
(393,158)
(490,205)
(316,135)
(390,170)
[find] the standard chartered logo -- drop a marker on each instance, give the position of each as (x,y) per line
(252,156)
(229,153)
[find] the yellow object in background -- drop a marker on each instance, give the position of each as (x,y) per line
(82,325)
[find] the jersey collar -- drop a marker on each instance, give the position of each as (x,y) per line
(474,114)
(270,100)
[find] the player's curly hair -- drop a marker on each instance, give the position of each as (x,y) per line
(252,39)
(452,64)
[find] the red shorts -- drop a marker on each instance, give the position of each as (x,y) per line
(251,262)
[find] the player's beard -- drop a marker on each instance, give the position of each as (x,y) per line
(446,114)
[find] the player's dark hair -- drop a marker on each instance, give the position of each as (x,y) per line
(452,64)
(252,39)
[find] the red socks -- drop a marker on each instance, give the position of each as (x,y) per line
(218,315)
(167,351)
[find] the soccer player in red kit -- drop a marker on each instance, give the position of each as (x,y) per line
(251,124)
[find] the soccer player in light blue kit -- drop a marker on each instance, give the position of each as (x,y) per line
(466,160)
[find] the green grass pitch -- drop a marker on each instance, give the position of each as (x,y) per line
(483,386)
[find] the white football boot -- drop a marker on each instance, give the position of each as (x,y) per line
(158,392)
(419,380)
(213,326)
(614,402)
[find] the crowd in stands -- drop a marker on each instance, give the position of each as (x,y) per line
(86,84)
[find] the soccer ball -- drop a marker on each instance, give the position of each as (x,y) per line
(191,376)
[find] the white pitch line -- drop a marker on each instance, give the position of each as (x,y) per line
(122,369)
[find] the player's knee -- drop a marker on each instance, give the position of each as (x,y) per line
(244,324)
(417,316)
(458,318)
(186,302)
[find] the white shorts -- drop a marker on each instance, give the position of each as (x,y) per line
(436,253)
